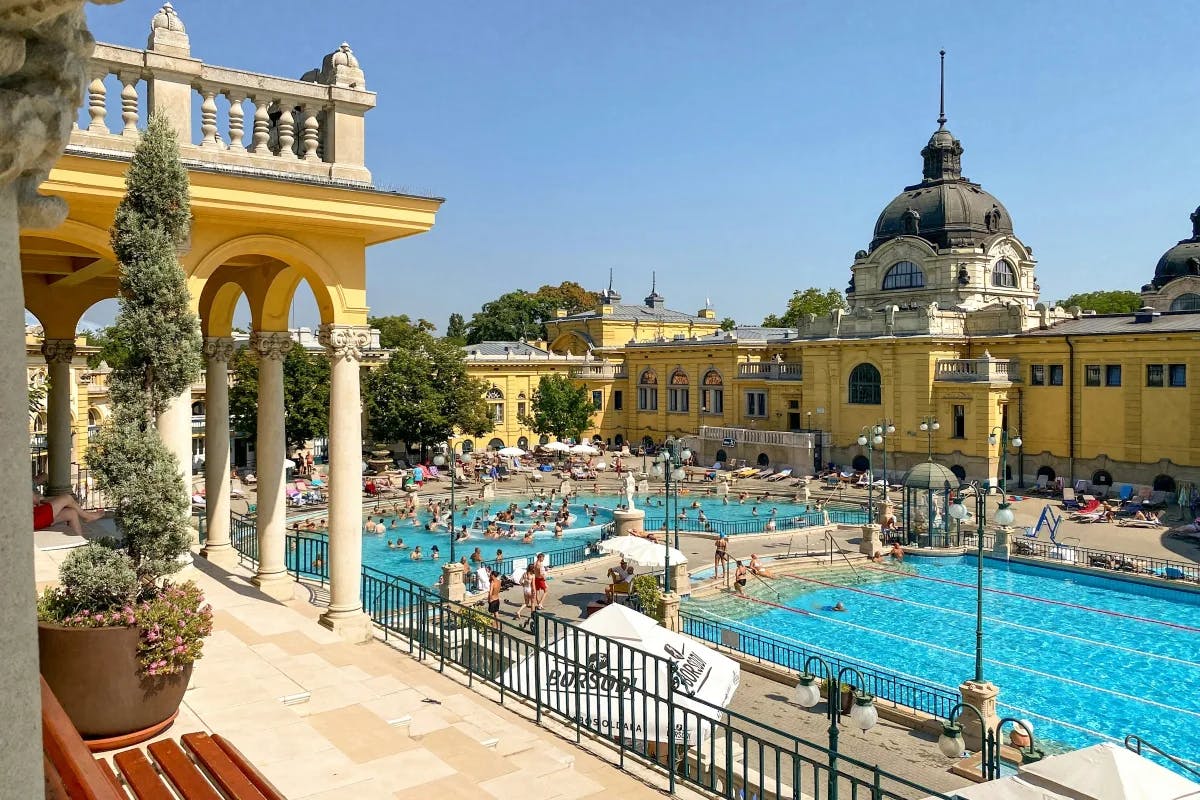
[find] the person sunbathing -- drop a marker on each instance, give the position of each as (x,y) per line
(758,569)
(49,511)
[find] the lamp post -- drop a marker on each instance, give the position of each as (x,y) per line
(952,745)
(1003,440)
(863,714)
(870,437)
(885,428)
(671,458)
(440,460)
(928,426)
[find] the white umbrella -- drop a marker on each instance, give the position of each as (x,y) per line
(618,688)
(289,464)
(556,447)
(643,551)
(1108,772)
(511,451)
(584,450)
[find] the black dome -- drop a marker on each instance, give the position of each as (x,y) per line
(945,209)
(1182,259)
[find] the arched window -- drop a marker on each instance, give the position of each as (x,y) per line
(1003,275)
(93,417)
(648,391)
(721,457)
(1048,471)
(1186,302)
(678,392)
(904,275)
(865,385)
(1163,483)
(494,394)
(468,446)
(39,423)
(860,463)
(763,460)
(619,440)
(959,471)
(197,409)
(1101,477)
(523,443)
(495,399)
(496,444)
(712,395)
(543,439)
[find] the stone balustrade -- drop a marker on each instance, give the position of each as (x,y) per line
(311,127)
(600,372)
(977,370)
(772,371)
(754,436)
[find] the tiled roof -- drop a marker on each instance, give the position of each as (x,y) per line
(749,333)
(514,349)
(1117,324)
(636,312)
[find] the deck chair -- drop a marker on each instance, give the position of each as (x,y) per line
(236,488)
(786,472)
(1043,484)
(1126,493)
(1069,500)
(1140,523)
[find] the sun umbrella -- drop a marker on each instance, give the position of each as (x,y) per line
(584,450)
(511,451)
(556,447)
(643,551)
(289,464)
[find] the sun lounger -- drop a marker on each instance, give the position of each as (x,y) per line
(786,472)
(1139,523)
(1069,500)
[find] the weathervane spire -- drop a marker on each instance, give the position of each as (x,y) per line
(942,92)
(653,281)
(610,280)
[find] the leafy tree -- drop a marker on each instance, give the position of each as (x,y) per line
(515,315)
(559,407)
(162,334)
(1113,301)
(424,393)
(398,330)
(37,399)
(456,329)
(728,324)
(809,301)
(305,395)
(113,349)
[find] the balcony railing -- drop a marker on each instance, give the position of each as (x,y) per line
(772,371)
(312,127)
(753,436)
(977,370)
(600,372)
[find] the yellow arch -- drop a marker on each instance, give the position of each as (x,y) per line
(306,262)
(217,304)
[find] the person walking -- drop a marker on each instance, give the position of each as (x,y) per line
(540,586)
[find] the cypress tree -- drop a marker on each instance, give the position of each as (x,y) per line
(161,335)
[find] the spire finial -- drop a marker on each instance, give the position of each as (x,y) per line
(653,282)
(610,280)
(942,92)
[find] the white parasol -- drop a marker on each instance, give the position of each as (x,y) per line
(511,451)
(556,447)
(643,551)
(584,450)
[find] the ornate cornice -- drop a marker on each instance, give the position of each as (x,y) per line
(58,351)
(218,348)
(271,344)
(344,341)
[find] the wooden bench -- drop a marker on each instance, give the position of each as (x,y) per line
(204,767)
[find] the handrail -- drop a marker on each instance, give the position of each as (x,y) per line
(1135,743)
(1100,560)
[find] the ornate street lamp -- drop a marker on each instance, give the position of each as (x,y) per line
(671,459)
(951,743)
(885,428)
(439,460)
(928,426)
(863,713)
(870,438)
(1003,440)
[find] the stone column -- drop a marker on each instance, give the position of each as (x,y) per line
(217,548)
(44,48)
(59,353)
(626,521)
(175,430)
(272,577)
(670,611)
(869,544)
(681,582)
(452,587)
(345,614)
(983,697)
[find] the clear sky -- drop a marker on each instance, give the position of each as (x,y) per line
(742,150)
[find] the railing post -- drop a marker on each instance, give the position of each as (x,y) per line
(536,624)
(671,726)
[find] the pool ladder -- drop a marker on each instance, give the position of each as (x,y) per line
(834,544)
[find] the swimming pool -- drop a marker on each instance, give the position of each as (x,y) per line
(1084,657)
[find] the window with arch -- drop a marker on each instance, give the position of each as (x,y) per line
(523,442)
(468,446)
(904,275)
(678,392)
(495,399)
(522,407)
(648,391)
(93,418)
(197,409)
(865,385)
(1186,302)
(712,393)
(495,444)
(1003,275)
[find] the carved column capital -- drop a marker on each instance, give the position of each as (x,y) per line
(271,344)
(218,348)
(58,351)
(344,341)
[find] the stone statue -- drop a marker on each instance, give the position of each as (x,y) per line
(1196,223)
(911,221)
(630,488)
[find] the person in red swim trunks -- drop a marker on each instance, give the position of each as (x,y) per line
(540,589)
(61,508)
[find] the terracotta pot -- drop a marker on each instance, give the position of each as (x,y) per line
(847,700)
(96,676)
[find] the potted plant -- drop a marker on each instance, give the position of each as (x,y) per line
(649,596)
(117,638)
(846,691)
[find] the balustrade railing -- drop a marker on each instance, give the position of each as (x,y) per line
(600,372)
(772,370)
(754,436)
(969,370)
(311,127)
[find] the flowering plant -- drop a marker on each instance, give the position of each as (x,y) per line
(173,623)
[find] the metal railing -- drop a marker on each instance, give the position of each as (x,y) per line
(759,524)
(1136,744)
(1069,552)
(755,436)
(972,370)
(899,690)
(638,702)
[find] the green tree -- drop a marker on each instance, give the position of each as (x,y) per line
(113,350)
(1112,301)
(456,329)
(559,407)
(156,323)
(398,330)
(305,395)
(424,393)
(516,315)
(728,324)
(809,301)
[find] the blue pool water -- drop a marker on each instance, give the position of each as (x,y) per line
(1083,657)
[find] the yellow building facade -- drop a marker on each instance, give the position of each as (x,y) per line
(944,322)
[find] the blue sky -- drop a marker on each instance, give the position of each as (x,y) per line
(741,150)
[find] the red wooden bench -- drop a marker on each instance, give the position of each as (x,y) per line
(204,767)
